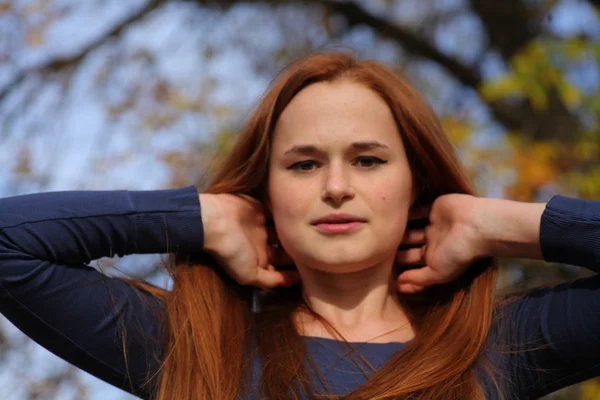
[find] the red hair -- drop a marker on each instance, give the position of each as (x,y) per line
(213,335)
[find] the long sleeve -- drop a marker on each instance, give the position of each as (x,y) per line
(100,324)
(570,232)
(554,332)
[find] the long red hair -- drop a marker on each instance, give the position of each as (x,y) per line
(213,331)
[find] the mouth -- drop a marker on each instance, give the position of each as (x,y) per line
(338,223)
(338,219)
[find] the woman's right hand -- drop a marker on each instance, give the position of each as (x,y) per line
(235,233)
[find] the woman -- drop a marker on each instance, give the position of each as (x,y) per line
(341,154)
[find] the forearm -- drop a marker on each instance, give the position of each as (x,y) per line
(510,228)
(75,227)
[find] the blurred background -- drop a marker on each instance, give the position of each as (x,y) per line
(138,94)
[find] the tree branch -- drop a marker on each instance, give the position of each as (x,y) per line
(356,15)
(508,23)
(514,21)
(468,76)
(59,64)
(511,25)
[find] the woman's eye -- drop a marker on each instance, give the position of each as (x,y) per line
(369,162)
(364,162)
(308,165)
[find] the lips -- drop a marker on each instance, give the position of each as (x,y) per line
(336,224)
(338,218)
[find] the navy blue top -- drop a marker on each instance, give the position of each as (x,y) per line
(48,290)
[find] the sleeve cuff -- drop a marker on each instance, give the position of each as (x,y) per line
(570,232)
(169,219)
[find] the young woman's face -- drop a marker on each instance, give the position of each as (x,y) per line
(337,150)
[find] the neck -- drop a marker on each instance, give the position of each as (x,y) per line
(362,305)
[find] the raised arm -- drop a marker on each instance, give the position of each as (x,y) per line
(48,291)
(550,335)
(556,330)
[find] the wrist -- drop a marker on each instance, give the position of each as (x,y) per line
(509,228)
(212,220)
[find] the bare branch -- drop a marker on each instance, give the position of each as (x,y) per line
(60,64)
(509,24)
(356,15)
(509,115)
(469,76)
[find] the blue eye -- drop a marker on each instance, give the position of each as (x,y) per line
(369,162)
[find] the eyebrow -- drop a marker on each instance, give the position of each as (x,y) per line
(311,149)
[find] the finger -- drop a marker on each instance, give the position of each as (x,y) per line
(271,278)
(261,247)
(409,288)
(424,276)
(412,256)
(414,236)
(419,212)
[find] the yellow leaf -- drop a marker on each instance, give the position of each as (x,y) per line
(569,94)
(514,139)
(574,48)
(537,97)
(458,131)
(522,65)
(500,88)
(535,164)
(550,76)
(536,51)
(526,62)
(585,150)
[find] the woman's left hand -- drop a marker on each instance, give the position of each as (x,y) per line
(445,248)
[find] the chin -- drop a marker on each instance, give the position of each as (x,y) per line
(340,263)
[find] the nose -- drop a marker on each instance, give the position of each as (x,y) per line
(337,186)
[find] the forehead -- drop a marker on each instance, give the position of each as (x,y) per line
(341,111)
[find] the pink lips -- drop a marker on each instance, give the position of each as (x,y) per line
(338,223)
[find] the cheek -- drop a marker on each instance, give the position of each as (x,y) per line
(288,203)
(391,207)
